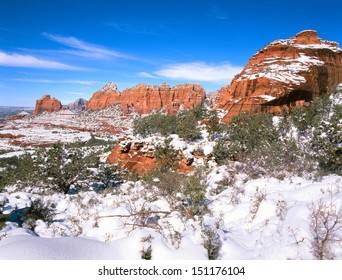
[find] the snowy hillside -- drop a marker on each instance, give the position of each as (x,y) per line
(65,126)
(262,187)
(273,219)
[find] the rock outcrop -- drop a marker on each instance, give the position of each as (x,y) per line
(144,99)
(138,156)
(77,106)
(19,116)
(47,104)
(287,72)
(135,156)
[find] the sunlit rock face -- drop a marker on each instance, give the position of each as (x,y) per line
(47,104)
(144,99)
(288,73)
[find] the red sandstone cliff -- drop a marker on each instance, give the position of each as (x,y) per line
(144,99)
(47,104)
(286,72)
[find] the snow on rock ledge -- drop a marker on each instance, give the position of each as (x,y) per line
(292,71)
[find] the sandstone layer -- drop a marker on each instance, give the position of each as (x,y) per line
(143,99)
(285,73)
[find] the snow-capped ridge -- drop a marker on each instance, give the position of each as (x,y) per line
(111,86)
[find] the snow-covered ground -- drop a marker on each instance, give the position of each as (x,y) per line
(268,219)
(64,126)
(264,218)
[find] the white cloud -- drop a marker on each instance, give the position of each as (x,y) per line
(80,82)
(29,61)
(85,49)
(146,75)
(200,71)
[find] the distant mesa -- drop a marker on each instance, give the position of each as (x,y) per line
(287,73)
(23,114)
(143,99)
(77,106)
(47,104)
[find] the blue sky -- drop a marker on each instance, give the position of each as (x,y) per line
(71,48)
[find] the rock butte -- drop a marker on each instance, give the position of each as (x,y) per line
(285,73)
(47,104)
(144,99)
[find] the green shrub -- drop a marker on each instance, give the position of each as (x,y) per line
(307,117)
(213,124)
(62,168)
(221,151)
(302,118)
(212,243)
(169,183)
(108,176)
(37,211)
(18,169)
(262,147)
(93,141)
(58,168)
(321,123)
(3,219)
(154,124)
(166,156)
(146,252)
(194,192)
(187,125)
(327,143)
(198,111)
(247,135)
(184,124)
(184,193)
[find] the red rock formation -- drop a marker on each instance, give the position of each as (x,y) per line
(138,156)
(144,99)
(287,72)
(135,156)
(47,104)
